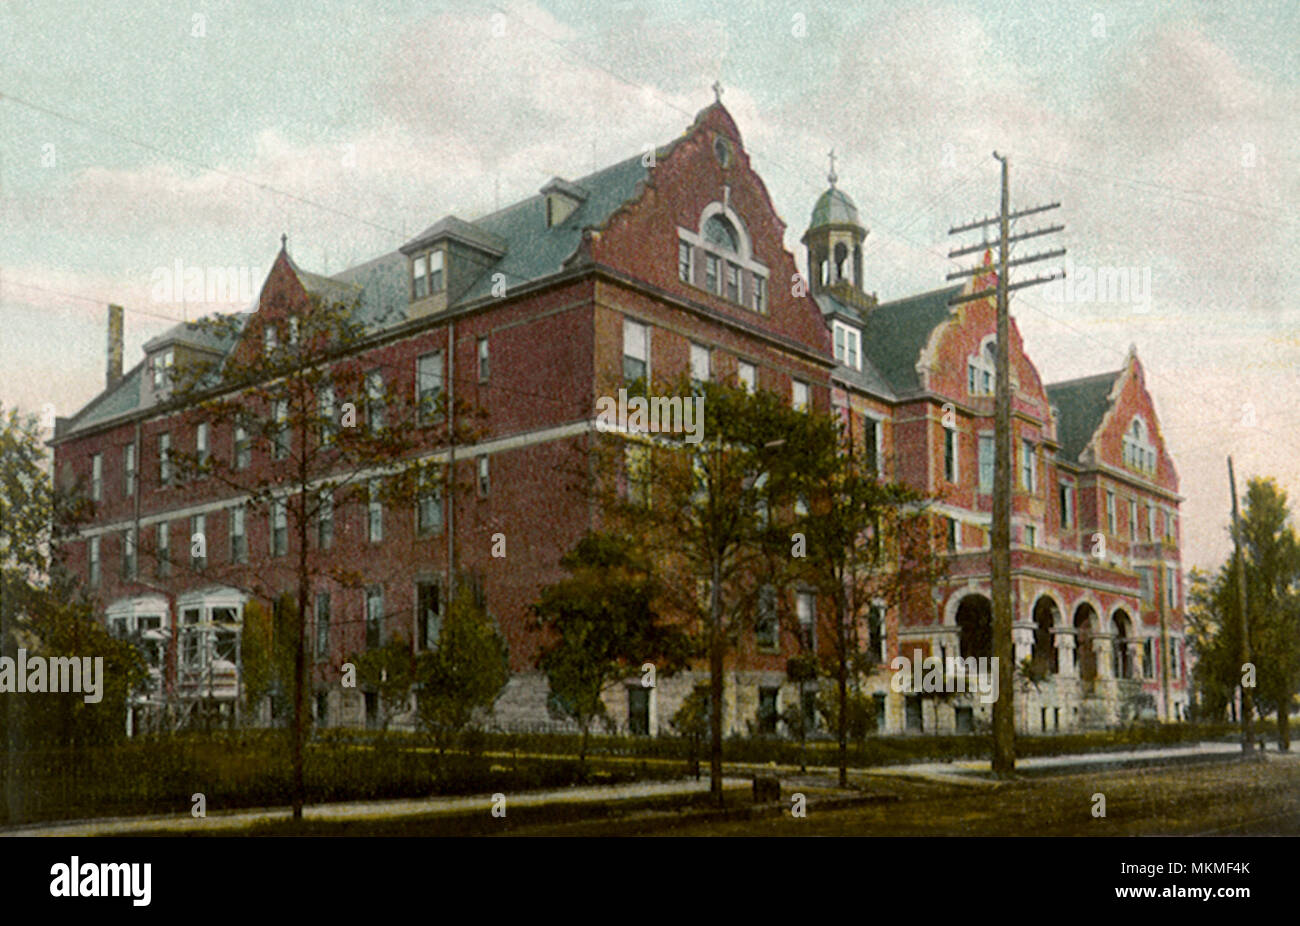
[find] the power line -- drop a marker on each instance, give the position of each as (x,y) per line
(256,184)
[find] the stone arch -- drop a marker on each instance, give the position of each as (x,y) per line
(1121,625)
(956,596)
(1086,626)
(974,619)
(1047,617)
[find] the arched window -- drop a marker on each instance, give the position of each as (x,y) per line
(981,367)
(718,259)
(841,258)
(719,232)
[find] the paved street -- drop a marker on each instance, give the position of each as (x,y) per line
(926,798)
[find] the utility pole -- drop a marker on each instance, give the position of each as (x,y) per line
(1247,731)
(1004,725)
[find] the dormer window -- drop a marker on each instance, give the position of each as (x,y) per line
(1139,452)
(562,200)
(426,274)
(848,345)
(981,367)
(269,340)
(162,370)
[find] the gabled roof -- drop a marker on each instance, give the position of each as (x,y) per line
(192,334)
(896,332)
(1082,404)
(458,230)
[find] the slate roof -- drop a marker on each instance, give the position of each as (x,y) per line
(379,289)
(201,336)
(1082,403)
(868,378)
(533,250)
(896,332)
(121,399)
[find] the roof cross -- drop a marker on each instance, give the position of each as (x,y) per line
(717,92)
(831,176)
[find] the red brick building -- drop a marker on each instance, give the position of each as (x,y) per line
(662,264)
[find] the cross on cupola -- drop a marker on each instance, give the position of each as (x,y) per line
(831,176)
(717,91)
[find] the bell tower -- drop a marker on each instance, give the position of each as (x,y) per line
(834,242)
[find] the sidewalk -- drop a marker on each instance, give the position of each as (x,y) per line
(975,771)
(175,824)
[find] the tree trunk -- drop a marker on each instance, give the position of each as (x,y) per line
(715,686)
(299,663)
(582,749)
(843,685)
(1284,725)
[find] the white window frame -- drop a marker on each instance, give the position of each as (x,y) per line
(238,532)
(97,476)
(950,439)
(1028,466)
(429,381)
(636,346)
(1069,515)
(1110,512)
(847,344)
(279,523)
(128,468)
(879,442)
(199,527)
(165,458)
(796,387)
(986,439)
(979,369)
(374,512)
(747,375)
(701,363)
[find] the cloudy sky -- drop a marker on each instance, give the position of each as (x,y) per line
(135,134)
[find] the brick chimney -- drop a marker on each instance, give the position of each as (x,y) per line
(114,375)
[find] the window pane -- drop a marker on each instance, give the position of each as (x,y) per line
(435,271)
(720,232)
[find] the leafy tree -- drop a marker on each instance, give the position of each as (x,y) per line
(390,671)
(606,624)
(266,653)
(691,720)
(701,504)
(296,385)
(804,671)
(1271,556)
(62,624)
(40,606)
(464,674)
(869,543)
